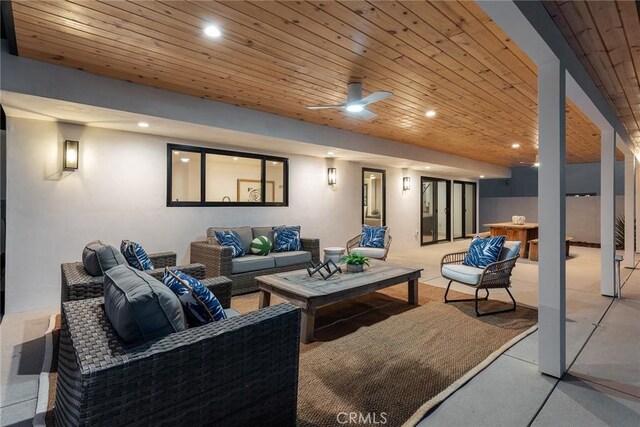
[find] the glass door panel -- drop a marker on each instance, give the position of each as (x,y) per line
(434,210)
(470,208)
(373,197)
(458,207)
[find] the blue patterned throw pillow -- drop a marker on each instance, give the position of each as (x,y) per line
(232,239)
(200,304)
(287,239)
(372,237)
(135,255)
(483,252)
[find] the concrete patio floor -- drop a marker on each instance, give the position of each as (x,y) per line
(601,388)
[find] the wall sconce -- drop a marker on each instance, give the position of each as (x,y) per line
(332,175)
(406,183)
(70,159)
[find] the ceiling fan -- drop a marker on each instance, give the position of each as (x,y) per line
(355,102)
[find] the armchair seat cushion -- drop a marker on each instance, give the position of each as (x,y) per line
(285,259)
(462,273)
(251,263)
(230,312)
(377,253)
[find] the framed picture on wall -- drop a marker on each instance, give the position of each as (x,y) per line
(249,190)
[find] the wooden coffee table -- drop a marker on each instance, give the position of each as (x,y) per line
(310,293)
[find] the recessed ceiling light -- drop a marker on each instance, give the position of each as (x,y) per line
(330,153)
(481,176)
(177,153)
(427,167)
(430,113)
(143,124)
(274,163)
(515,145)
(212,31)
(372,177)
(185,160)
(355,108)
(235,158)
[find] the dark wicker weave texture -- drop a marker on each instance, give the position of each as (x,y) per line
(77,284)
(237,372)
(217,260)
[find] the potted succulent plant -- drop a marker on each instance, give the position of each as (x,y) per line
(355,262)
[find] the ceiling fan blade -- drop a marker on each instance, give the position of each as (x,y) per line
(366,114)
(324,107)
(375,97)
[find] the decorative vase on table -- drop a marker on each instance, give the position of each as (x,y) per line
(355,268)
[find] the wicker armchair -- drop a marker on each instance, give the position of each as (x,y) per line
(239,371)
(217,260)
(353,245)
(493,276)
(77,284)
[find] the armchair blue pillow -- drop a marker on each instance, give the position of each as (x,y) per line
(373,237)
(232,239)
(287,239)
(200,304)
(135,255)
(483,252)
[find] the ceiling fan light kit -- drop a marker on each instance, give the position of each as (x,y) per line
(356,104)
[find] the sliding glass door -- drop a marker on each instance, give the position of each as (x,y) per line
(435,225)
(464,209)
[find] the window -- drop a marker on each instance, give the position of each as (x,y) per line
(207,177)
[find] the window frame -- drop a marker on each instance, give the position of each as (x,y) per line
(203,151)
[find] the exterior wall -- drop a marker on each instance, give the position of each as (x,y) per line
(119,192)
(583,213)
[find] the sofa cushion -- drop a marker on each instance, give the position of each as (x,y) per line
(231,239)
(230,312)
(264,231)
(98,257)
(251,263)
(373,237)
(287,239)
(509,250)
(200,304)
(135,255)
(483,252)
(285,259)
(139,307)
(462,273)
(377,253)
(244,233)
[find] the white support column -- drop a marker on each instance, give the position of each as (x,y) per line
(629,209)
(607,211)
(552,219)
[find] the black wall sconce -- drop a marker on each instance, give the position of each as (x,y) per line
(332,176)
(406,183)
(71,155)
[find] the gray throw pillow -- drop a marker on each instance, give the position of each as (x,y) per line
(98,257)
(139,307)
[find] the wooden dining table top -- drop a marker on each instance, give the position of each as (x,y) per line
(526,225)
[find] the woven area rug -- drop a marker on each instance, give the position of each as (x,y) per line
(379,359)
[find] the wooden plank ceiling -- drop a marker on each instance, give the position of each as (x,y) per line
(605,35)
(282,56)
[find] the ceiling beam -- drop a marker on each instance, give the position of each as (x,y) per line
(26,76)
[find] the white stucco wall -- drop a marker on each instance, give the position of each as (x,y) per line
(119,192)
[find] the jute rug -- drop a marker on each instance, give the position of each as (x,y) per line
(378,359)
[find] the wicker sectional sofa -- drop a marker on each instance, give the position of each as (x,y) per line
(238,371)
(243,270)
(77,284)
